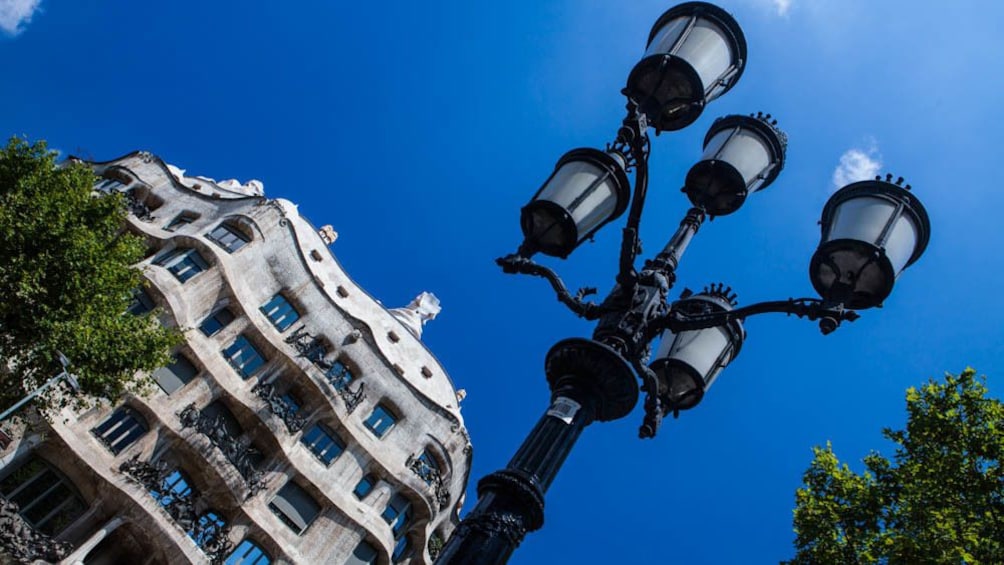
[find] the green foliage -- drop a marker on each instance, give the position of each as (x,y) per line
(940,499)
(67,279)
(435,545)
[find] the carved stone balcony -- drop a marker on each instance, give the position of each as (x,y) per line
(351,398)
(237,450)
(313,349)
(432,477)
(138,207)
(186,508)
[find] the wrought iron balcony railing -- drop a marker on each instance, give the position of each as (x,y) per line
(432,477)
(237,450)
(279,406)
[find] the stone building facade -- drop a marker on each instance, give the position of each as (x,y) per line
(300,422)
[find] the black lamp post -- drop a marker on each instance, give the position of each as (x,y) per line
(871,231)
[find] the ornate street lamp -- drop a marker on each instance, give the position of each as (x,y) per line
(587,189)
(742,154)
(696,52)
(871,231)
(687,362)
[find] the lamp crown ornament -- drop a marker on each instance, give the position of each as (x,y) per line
(722,292)
(899,180)
(771,122)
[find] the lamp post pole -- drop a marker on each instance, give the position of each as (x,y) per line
(871,231)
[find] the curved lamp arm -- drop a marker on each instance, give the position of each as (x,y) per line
(515,263)
(829,315)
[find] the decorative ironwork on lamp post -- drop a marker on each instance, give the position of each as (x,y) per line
(871,231)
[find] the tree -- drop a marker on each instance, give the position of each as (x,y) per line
(939,500)
(67,279)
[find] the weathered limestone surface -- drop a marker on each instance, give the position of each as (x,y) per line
(286,254)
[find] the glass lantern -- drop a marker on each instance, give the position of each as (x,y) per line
(587,189)
(742,154)
(687,363)
(871,231)
(696,52)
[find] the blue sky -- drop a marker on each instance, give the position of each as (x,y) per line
(419,131)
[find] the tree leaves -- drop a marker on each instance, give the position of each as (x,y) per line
(67,278)
(939,500)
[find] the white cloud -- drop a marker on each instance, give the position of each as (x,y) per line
(857,164)
(16,14)
(779,7)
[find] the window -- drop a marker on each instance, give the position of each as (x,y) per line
(243,356)
(141,302)
(174,487)
(339,375)
(323,443)
(400,550)
(183,263)
(181,220)
(109,185)
(380,421)
(207,530)
(121,429)
(291,401)
(248,553)
(228,237)
(365,486)
(364,554)
(216,322)
(44,498)
(426,467)
(218,411)
(295,507)
(397,513)
(175,375)
(280,312)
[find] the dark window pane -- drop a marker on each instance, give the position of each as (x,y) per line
(364,487)
(292,402)
(427,467)
(339,375)
(280,312)
(364,554)
(380,421)
(45,499)
(141,302)
(216,321)
(248,553)
(121,429)
(397,513)
(323,443)
(182,263)
(243,356)
(217,410)
(176,375)
(227,237)
(109,185)
(181,220)
(295,507)
(175,486)
(400,549)
(209,528)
